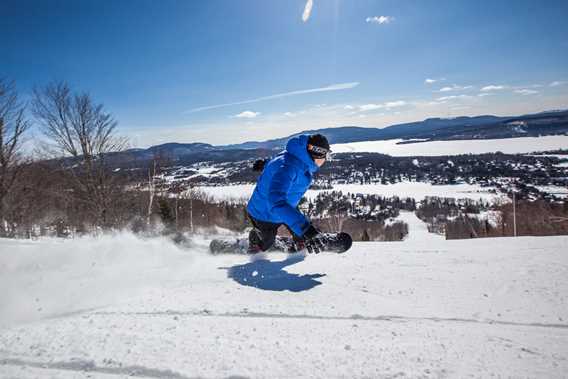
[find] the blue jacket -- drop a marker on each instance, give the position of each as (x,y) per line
(283,183)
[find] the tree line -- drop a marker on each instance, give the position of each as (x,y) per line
(67,186)
(466,218)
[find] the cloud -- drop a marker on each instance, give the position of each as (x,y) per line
(333,87)
(557,83)
(454,87)
(432,81)
(393,104)
(387,105)
(460,107)
(380,19)
(349,107)
(432,103)
(370,107)
(493,88)
(526,91)
(485,94)
(453,97)
(307,10)
(289,114)
(247,114)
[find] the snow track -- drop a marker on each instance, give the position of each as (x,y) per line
(357,317)
(86,368)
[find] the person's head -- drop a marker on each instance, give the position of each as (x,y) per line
(318,148)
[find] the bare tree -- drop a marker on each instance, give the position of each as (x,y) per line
(81,130)
(152,173)
(13,126)
(193,194)
(177,189)
(335,221)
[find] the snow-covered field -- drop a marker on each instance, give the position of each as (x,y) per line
(455,147)
(119,306)
(416,190)
(555,190)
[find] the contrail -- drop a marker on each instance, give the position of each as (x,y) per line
(307,10)
(333,87)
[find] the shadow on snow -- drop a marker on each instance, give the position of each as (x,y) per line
(271,276)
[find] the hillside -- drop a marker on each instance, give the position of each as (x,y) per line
(117,305)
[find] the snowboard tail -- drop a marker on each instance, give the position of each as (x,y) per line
(336,243)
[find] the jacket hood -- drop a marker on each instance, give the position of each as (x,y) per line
(298,147)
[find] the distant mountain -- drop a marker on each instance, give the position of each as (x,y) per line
(183,154)
(479,127)
(535,125)
(346,134)
(172,149)
(430,125)
(342,134)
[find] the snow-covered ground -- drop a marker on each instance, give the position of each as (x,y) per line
(416,190)
(119,306)
(455,147)
(237,192)
(562,157)
(555,190)
(559,156)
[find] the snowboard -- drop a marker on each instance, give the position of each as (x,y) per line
(336,243)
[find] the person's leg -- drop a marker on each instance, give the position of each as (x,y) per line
(262,235)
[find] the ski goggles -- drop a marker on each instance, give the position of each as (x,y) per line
(319,152)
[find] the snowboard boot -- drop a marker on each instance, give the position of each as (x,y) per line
(255,241)
(298,245)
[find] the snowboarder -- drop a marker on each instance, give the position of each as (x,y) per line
(282,184)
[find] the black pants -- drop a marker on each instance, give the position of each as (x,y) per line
(265,233)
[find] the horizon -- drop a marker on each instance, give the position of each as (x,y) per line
(356,126)
(224,72)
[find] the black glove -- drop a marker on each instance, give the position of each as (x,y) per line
(259,164)
(314,240)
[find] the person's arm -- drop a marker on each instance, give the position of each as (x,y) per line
(278,197)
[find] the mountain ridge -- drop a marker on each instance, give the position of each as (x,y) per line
(435,128)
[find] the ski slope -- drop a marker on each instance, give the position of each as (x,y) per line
(119,306)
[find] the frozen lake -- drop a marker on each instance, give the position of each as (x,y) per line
(456,147)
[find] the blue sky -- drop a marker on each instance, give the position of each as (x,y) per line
(230,71)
